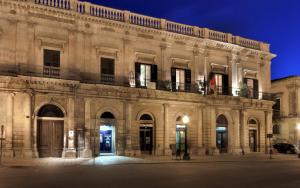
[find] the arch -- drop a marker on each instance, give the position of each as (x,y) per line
(252,121)
(116,113)
(50,110)
(222,120)
(107,115)
(50,103)
(145,112)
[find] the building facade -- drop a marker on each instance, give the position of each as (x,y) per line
(79,79)
(286,115)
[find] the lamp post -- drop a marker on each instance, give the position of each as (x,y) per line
(1,144)
(185,120)
(298,138)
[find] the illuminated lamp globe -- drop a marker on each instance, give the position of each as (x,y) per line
(185,119)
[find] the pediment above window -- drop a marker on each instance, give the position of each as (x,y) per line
(145,57)
(107,51)
(219,68)
(51,42)
(180,62)
(248,73)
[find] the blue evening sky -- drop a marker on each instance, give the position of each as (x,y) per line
(273,21)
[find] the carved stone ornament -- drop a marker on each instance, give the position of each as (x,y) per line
(248,73)
(180,63)
(51,42)
(145,57)
(107,51)
(219,68)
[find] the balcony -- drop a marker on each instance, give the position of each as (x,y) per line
(164,85)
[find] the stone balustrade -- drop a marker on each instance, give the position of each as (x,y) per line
(63,4)
(216,35)
(180,28)
(150,22)
(145,21)
(105,12)
(248,43)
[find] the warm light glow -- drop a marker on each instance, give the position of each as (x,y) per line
(298,127)
(185,119)
(105,128)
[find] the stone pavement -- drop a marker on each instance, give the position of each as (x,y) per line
(117,160)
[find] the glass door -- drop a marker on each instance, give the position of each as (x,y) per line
(252,140)
(180,137)
(146,139)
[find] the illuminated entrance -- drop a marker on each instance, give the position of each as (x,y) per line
(107,134)
(222,134)
(180,137)
(253,135)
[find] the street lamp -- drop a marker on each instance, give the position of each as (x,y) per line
(298,133)
(185,120)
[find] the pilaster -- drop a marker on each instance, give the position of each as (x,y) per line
(69,150)
(166,130)
(27,149)
(87,152)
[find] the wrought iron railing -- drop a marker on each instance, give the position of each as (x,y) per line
(126,81)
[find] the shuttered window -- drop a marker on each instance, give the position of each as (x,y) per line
(145,73)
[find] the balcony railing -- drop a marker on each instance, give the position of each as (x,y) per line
(106,79)
(50,71)
(87,8)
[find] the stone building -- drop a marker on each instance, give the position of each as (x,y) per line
(79,79)
(286,115)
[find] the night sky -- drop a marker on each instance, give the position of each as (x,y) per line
(273,21)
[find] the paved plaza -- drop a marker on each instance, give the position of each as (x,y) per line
(108,171)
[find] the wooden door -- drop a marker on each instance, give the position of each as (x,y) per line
(50,138)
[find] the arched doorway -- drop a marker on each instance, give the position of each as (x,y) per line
(222,134)
(146,134)
(253,135)
(50,131)
(107,134)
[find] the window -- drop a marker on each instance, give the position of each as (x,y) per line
(219,84)
(144,74)
(181,79)
(276,109)
(51,62)
(276,129)
(107,70)
(252,87)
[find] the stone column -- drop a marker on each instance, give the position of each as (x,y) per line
(27,148)
(244,132)
(87,152)
(234,74)
(236,148)
(166,130)
(200,146)
(268,128)
(8,152)
(70,151)
(213,148)
(128,112)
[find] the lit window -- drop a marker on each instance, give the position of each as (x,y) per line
(180,79)
(219,83)
(145,76)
